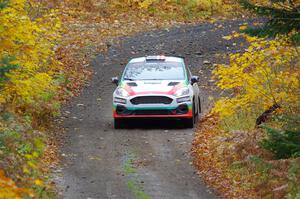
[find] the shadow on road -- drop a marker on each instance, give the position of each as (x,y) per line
(153,124)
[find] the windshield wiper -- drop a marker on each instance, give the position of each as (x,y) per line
(129,79)
(153,79)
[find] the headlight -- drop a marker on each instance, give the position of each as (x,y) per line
(182,92)
(183,99)
(122,92)
(119,100)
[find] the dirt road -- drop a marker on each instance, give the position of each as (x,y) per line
(151,159)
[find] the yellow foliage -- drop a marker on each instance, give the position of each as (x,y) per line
(192,5)
(244,27)
(38,182)
(146,3)
(31,41)
(266,74)
(30,90)
(9,190)
(207,4)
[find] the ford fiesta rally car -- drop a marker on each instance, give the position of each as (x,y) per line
(156,87)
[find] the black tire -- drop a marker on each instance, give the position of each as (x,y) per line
(189,122)
(118,123)
(200,108)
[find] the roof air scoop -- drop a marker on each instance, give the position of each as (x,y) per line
(131,84)
(155,58)
(173,83)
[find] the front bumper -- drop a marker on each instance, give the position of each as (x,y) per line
(172,110)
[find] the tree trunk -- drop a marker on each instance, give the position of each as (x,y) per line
(266,115)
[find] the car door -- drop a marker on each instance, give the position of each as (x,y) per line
(196,92)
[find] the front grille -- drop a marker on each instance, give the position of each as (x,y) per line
(151,100)
(152,112)
(181,109)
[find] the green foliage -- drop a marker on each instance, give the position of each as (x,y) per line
(137,190)
(296,37)
(261,166)
(294,186)
(291,122)
(283,18)
(191,8)
(21,148)
(3,4)
(128,167)
(25,148)
(283,143)
(246,121)
(6,65)
(133,185)
(7,116)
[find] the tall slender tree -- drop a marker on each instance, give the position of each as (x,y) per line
(283,18)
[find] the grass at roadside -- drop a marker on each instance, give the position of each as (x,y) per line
(132,183)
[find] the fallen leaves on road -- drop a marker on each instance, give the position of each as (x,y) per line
(206,152)
(92,27)
(236,167)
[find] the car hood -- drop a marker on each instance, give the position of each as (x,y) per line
(167,87)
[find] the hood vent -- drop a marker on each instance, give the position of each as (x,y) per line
(173,83)
(131,84)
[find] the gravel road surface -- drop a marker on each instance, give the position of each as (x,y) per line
(151,159)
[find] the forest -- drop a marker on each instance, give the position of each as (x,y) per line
(251,134)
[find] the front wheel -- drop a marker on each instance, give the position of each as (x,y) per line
(118,123)
(200,108)
(190,122)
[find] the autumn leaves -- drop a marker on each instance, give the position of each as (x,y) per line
(30,46)
(28,94)
(252,135)
(260,77)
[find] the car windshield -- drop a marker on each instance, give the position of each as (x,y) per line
(154,71)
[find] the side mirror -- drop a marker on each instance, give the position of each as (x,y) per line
(194,79)
(115,80)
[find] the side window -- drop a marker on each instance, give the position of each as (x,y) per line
(189,74)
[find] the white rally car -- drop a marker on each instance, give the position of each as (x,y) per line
(156,87)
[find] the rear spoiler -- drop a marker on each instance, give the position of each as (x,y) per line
(162,57)
(178,56)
